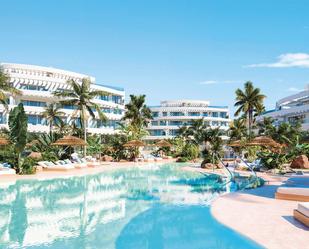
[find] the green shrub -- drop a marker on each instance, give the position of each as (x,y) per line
(182,159)
(28,166)
(273,160)
(190,151)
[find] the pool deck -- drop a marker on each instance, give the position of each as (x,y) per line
(256,214)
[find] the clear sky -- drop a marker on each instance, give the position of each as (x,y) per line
(166,49)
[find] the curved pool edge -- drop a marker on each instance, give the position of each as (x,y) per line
(255,214)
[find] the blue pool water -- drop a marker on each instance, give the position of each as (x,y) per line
(150,206)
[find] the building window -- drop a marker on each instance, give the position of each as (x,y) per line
(164,114)
(177,114)
(33,103)
(214,114)
(205,114)
(176,123)
(32,87)
(2,119)
(194,114)
(154,123)
(223,115)
(215,123)
(155,114)
(36,120)
(163,122)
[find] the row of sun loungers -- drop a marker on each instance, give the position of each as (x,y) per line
(296,194)
(68,164)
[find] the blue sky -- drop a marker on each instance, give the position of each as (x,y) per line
(167,49)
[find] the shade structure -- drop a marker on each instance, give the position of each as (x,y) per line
(32,143)
(236,143)
(134,143)
(35,155)
(4,141)
(263,141)
(163,143)
(70,141)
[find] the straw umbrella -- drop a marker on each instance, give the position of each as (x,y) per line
(70,141)
(164,144)
(4,141)
(135,144)
(264,141)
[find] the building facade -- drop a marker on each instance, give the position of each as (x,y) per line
(37,85)
(291,109)
(170,115)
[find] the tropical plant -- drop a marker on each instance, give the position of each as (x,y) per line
(18,123)
(5,88)
(52,114)
(190,152)
(250,102)
(94,145)
(81,96)
(237,130)
(137,113)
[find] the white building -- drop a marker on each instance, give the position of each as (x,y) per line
(291,109)
(170,115)
(38,84)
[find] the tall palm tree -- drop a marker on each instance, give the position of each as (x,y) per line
(5,87)
(137,113)
(250,102)
(81,96)
(53,115)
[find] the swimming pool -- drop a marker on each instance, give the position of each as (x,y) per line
(150,206)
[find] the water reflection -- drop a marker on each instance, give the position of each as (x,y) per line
(95,211)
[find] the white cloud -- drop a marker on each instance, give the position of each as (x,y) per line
(212,82)
(287,60)
(294,89)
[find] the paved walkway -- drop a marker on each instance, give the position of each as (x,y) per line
(256,214)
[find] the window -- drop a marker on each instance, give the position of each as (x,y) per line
(33,103)
(154,123)
(173,132)
(223,115)
(2,119)
(155,114)
(164,114)
(157,132)
(36,120)
(214,114)
(177,114)
(176,123)
(194,114)
(163,122)
(205,114)
(215,123)
(32,87)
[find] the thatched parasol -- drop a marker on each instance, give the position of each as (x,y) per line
(134,143)
(35,155)
(32,143)
(70,141)
(236,143)
(4,141)
(263,141)
(163,143)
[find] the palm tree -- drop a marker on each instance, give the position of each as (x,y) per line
(237,129)
(81,96)
(5,88)
(138,114)
(53,115)
(250,102)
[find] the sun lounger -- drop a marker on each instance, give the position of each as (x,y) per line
(52,166)
(302,213)
(4,170)
(293,194)
(77,165)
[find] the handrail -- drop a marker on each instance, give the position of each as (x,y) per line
(251,169)
(231,175)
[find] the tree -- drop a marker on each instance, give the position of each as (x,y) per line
(18,123)
(81,96)
(250,102)
(138,114)
(53,115)
(6,88)
(237,129)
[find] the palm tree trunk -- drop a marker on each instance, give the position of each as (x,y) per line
(50,128)
(85,136)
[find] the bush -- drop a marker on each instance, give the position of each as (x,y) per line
(27,167)
(190,151)
(272,160)
(182,159)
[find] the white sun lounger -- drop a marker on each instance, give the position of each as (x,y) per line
(6,170)
(52,166)
(77,165)
(302,213)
